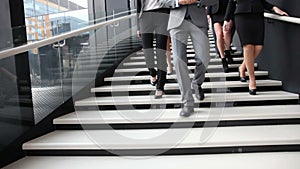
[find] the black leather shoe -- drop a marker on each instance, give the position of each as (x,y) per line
(199,93)
(252,91)
(186,111)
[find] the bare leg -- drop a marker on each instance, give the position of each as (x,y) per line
(220,45)
(168,54)
(220,38)
(227,39)
(249,57)
(257,50)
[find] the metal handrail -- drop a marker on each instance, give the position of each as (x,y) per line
(51,40)
(282,18)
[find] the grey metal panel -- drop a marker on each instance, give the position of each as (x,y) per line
(6,38)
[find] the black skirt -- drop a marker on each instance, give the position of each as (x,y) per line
(250,28)
(217,18)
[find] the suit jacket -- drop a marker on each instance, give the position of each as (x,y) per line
(246,6)
(177,14)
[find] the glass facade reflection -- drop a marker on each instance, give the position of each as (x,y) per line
(47,18)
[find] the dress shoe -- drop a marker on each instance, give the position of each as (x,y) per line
(158,94)
(252,91)
(225,65)
(186,111)
(199,93)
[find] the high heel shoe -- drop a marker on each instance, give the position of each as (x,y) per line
(152,82)
(158,94)
(228,56)
(242,79)
(225,65)
(252,91)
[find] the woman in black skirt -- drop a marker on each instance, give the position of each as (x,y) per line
(249,22)
(223,37)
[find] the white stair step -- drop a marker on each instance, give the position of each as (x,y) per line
(174,86)
(175,99)
(190,45)
(189,67)
(189,55)
(94,66)
(212,54)
(166,138)
(210,37)
(172,115)
(213,60)
(173,76)
(279,160)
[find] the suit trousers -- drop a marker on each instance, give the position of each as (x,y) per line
(199,37)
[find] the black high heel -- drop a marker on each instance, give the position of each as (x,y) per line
(153,83)
(225,65)
(228,56)
(252,91)
(242,79)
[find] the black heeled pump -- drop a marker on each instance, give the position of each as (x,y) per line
(252,91)
(242,79)
(228,56)
(225,65)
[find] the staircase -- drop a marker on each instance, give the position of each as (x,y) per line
(122,126)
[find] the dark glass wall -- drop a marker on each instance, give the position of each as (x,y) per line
(281,56)
(16,112)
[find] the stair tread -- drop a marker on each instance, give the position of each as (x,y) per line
(172,115)
(171,99)
(276,160)
(190,55)
(123,70)
(141,53)
(167,138)
(173,76)
(174,86)
(215,60)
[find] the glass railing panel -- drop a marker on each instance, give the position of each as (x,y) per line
(59,71)
(62,69)
(46,80)
(15,107)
